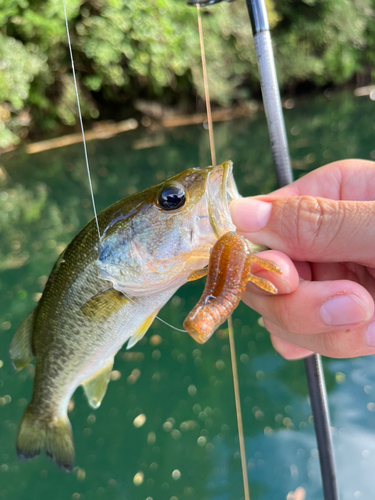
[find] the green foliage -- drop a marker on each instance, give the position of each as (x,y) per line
(324,41)
(137,48)
(19,64)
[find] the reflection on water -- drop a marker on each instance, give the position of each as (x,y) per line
(167,426)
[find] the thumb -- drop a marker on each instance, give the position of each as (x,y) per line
(308,228)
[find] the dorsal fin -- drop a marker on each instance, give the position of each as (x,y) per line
(21,349)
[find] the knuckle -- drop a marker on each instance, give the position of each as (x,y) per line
(313,223)
(273,329)
(332,345)
(327,345)
(286,316)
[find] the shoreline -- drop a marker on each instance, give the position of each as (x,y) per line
(107,129)
(161,120)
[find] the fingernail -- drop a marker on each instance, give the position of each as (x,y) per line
(344,310)
(250,215)
(370,335)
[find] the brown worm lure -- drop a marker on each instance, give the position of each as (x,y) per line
(229,271)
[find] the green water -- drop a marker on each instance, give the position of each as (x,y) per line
(187,448)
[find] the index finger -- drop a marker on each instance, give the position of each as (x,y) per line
(340,180)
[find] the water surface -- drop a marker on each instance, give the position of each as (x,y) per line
(187,448)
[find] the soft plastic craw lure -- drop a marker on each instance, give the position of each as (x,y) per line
(229,271)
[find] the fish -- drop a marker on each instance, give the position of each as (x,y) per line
(229,271)
(106,290)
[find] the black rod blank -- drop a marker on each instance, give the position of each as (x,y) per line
(270,91)
(319,406)
(280,153)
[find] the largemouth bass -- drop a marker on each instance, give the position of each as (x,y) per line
(105,291)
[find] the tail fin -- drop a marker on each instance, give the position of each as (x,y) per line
(53,435)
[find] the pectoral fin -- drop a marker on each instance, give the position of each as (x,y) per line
(20,349)
(196,275)
(141,331)
(104,304)
(95,387)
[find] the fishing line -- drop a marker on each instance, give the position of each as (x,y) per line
(238,409)
(168,324)
(279,147)
(80,119)
(230,323)
(206,91)
(157,317)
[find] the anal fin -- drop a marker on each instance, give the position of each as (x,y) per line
(20,349)
(95,387)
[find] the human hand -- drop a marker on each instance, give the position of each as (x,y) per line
(321,229)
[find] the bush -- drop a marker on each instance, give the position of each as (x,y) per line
(125,50)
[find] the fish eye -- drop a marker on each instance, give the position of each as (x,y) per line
(172,197)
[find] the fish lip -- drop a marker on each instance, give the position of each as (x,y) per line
(219,197)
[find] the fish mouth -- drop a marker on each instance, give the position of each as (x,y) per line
(221,190)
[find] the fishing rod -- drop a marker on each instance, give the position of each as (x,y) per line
(280,153)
